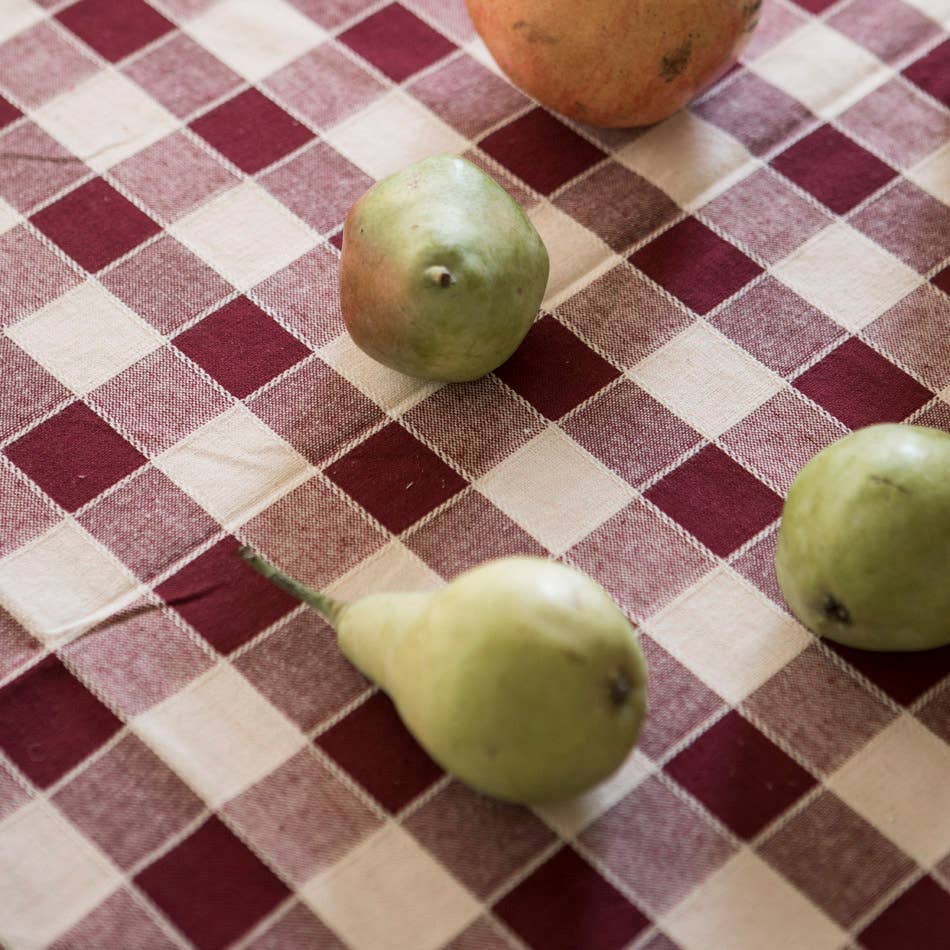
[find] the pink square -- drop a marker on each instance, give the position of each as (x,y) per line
(166,284)
(149,523)
(298,928)
(17,648)
(914,333)
(223,598)
(624,315)
(554,370)
(119,921)
(173,176)
(935,715)
(696,265)
(316,410)
(766,215)
(888,28)
(796,431)
(541,150)
(94,224)
(756,113)
(619,206)
(114,30)
(716,499)
(285,665)
(31,275)
(301,817)
(38,64)
(757,564)
(241,347)
(27,391)
(932,73)
(332,13)
(24,514)
(314,534)
(776,21)
(449,546)
(128,802)
(159,400)
(373,745)
(514,186)
(12,793)
(306,294)
(74,455)
(251,130)
(468,96)
(480,840)
(397,42)
(822,742)
(742,777)
(324,85)
(182,75)
(776,326)
(448,418)
(319,186)
(450,15)
(861,387)
(914,919)
(657,845)
(631,433)
(642,560)
(35,167)
(137,658)
(395,477)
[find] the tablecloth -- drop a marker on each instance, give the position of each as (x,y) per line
(185,757)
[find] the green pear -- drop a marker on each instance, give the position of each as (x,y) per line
(442,273)
(863,553)
(521,677)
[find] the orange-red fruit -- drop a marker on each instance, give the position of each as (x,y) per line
(614,63)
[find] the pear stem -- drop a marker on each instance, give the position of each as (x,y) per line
(327,607)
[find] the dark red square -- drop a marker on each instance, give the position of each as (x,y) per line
(919,918)
(94,224)
(932,72)
(541,150)
(834,168)
(815,6)
(212,887)
(397,42)
(251,130)
(8,112)
(50,722)
(861,387)
(696,265)
(241,347)
(74,456)
(554,370)
(373,745)
(715,498)
(395,477)
(566,905)
(903,676)
(742,777)
(942,280)
(114,29)
(225,599)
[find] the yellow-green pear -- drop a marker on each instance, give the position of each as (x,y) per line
(521,677)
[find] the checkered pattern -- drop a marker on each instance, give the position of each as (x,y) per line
(185,757)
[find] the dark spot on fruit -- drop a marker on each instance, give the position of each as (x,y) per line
(676,61)
(620,688)
(445,280)
(534,33)
(884,480)
(834,610)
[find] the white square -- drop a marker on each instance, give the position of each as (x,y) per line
(555,490)
(16,16)
(578,256)
(847,276)
(85,337)
(62,583)
(234,466)
(9,216)
(706,379)
(691,160)
(255,38)
(50,876)
(219,734)
(105,119)
(416,904)
(393,568)
(933,174)
(393,132)
(245,234)
(745,905)
(938,10)
(899,782)
(821,68)
(394,392)
(727,633)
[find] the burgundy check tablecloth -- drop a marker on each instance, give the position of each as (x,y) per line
(185,759)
